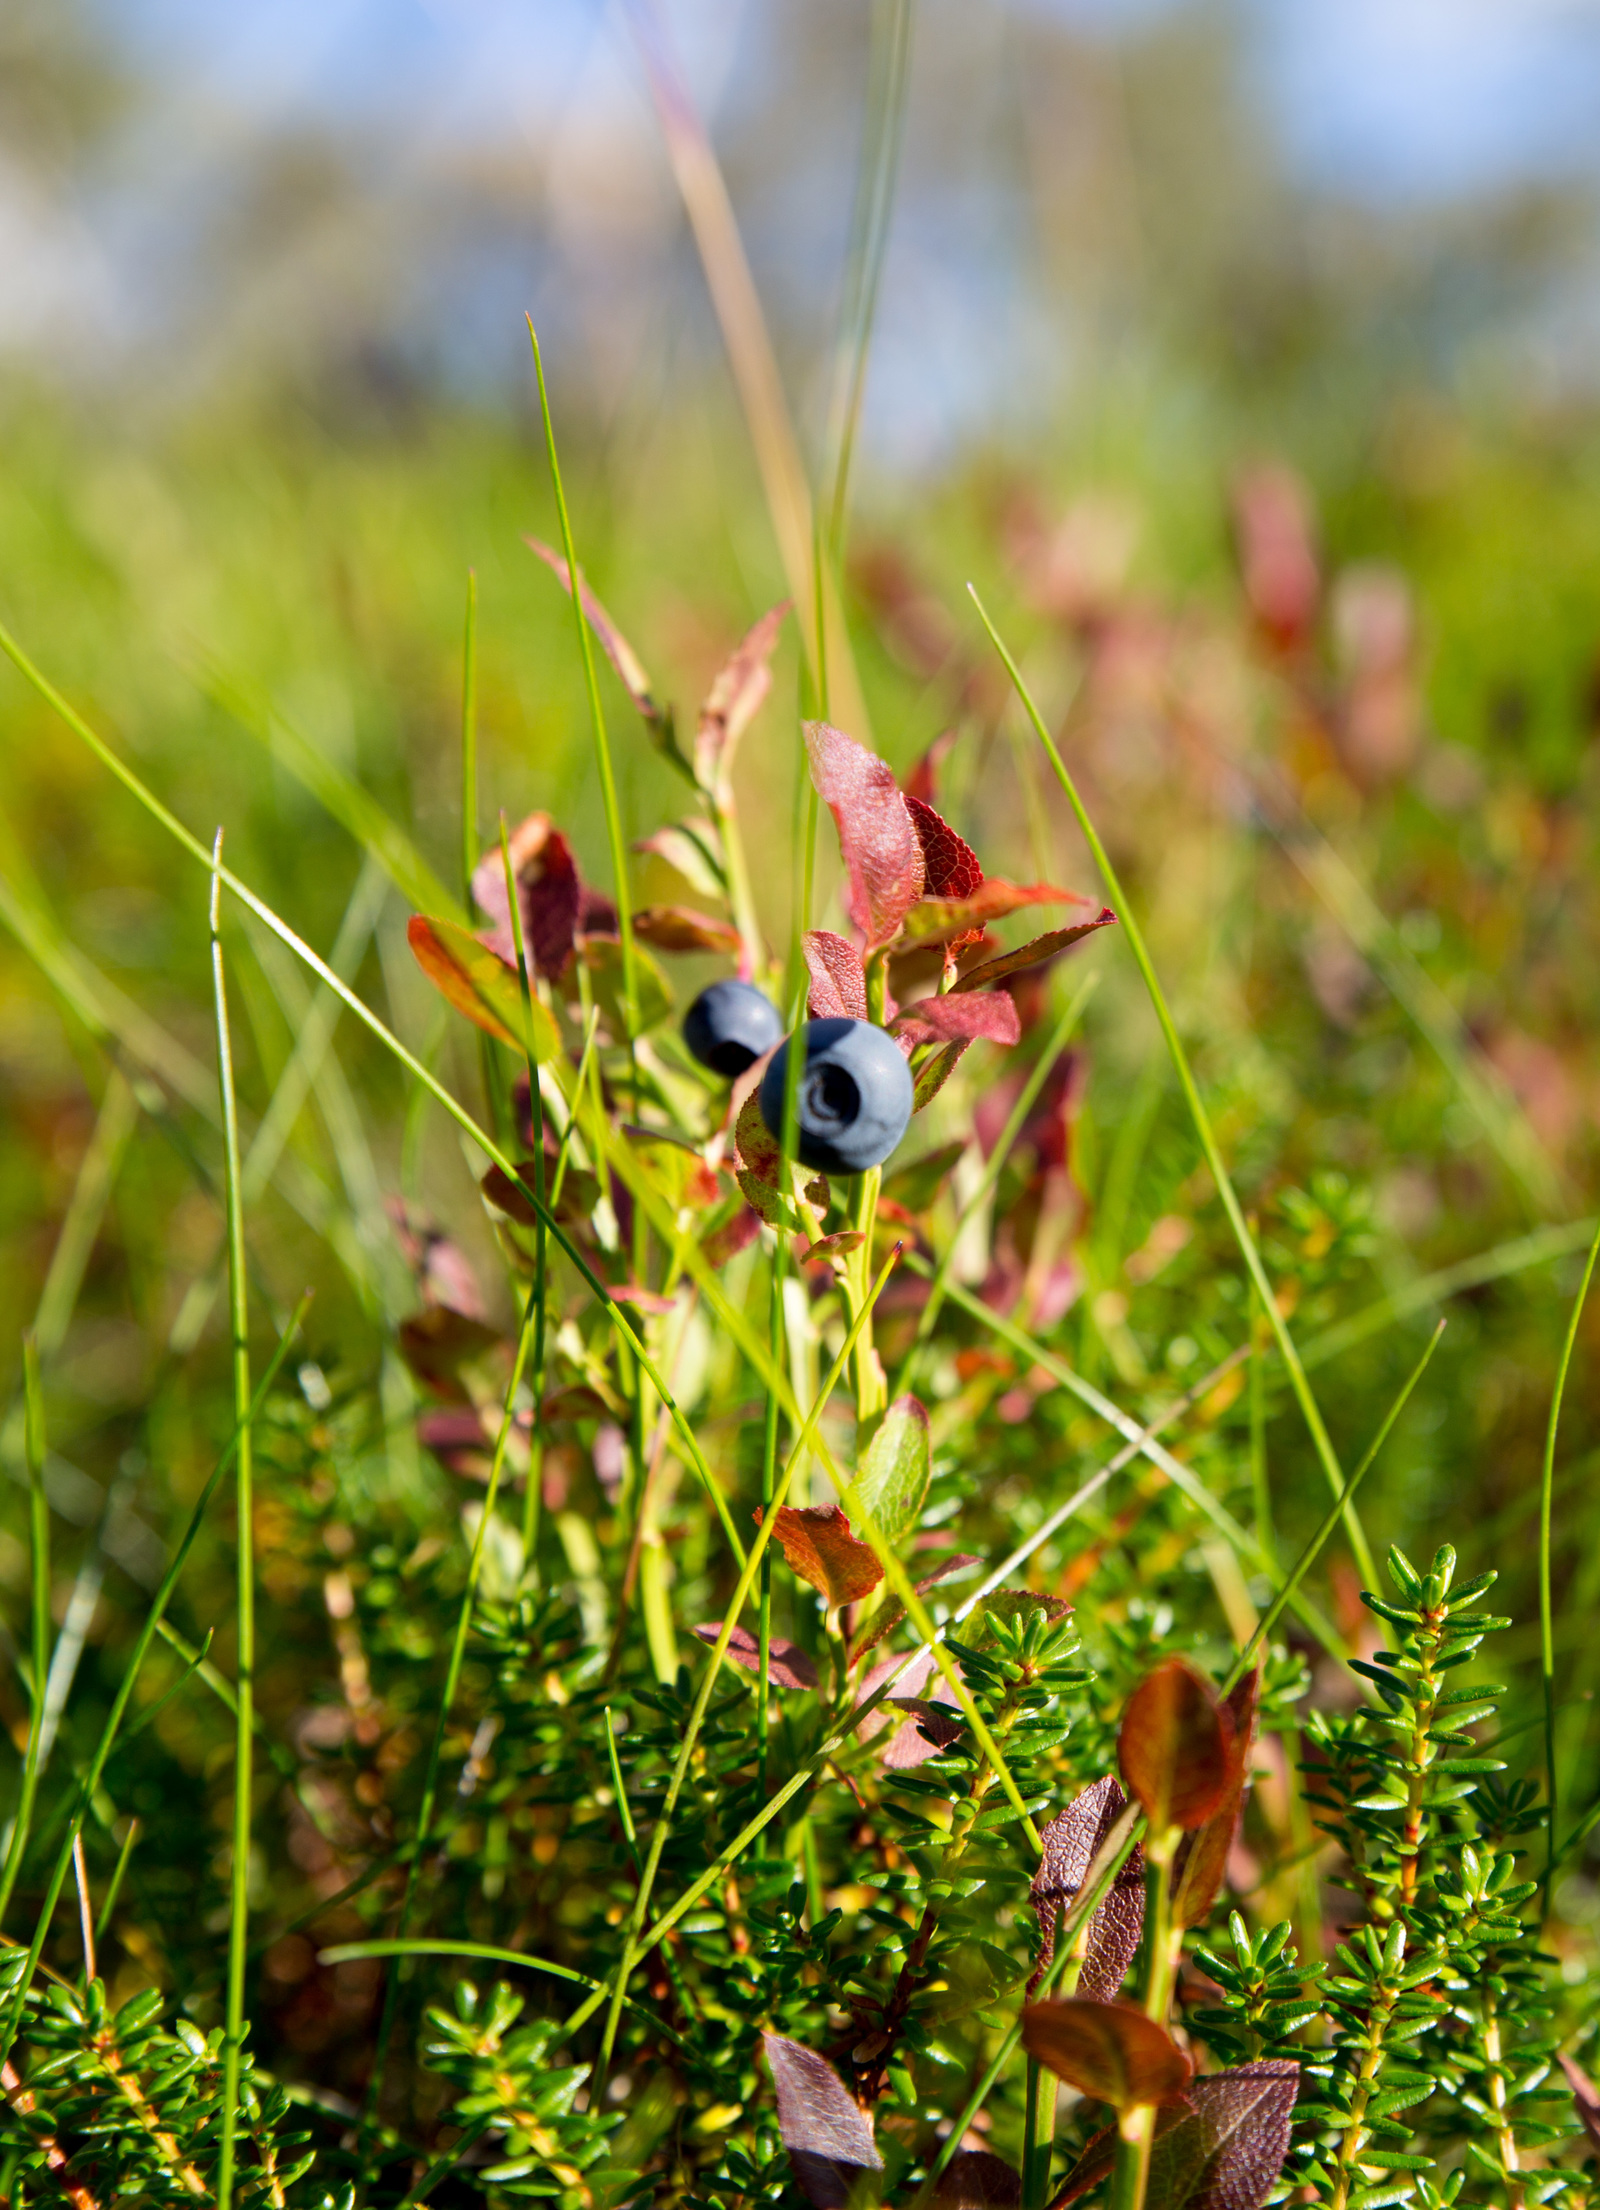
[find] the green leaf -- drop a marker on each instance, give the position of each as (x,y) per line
(891,1483)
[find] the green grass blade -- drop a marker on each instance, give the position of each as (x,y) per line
(1547,1649)
(1321,1441)
(244,1732)
(39,1614)
(469,741)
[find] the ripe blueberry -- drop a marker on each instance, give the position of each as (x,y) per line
(730,1025)
(854,1100)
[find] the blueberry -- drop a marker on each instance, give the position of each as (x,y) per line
(730,1025)
(854,1100)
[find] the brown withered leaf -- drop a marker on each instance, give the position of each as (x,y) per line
(936,918)
(1220,2148)
(1175,1746)
(736,695)
(838,980)
(828,2137)
(1108,2051)
(788,1666)
(881,850)
(1070,1841)
(949,864)
(678,928)
(1030,955)
(975,2180)
(991,1018)
(1585,2095)
(1202,1859)
(818,1544)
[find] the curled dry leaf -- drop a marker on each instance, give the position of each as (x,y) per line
(937,918)
(891,1483)
(1202,1859)
(828,2137)
(838,979)
(991,1018)
(1220,2148)
(1033,954)
(975,2180)
(477,982)
(949,864)
(1070,1841)
(1176,1746)
(1109,2051)
(881,849)
(787,1664)
(678,928)
(735,696)
(818,1544)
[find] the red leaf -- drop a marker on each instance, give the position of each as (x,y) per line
(936,918)
(829,2139)
(881,849)
(949,864)
(1198,1868)
(1220,2148)
(1031,955)
(936,1724)
(735,696)
(613,643)
(732,1237)
(476,980)
(819,1546)
(1070,1841)
(549,889)
(924,775)
(832,1246)
(1176,1746)
(1108,2051)
(975,2180)
(838,979)
(787,1664)
(991,1018)
(678,928)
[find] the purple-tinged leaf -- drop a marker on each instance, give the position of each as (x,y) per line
(828,2137)
(1030,955)
(931,1727)
(444,1349)
(444,1274)
(838,979)
(550,891)
(735,696)
(881,849)
(949,864)
(1175,1746)
(1202,1858)
(1108,2051)
(1070,1841)
(629,667)
(1585,2095)
(678,928)
(1220,2148)
(922,782)
(787,1664)
(832,1246)
(938,918)
(818,1544)
(975,2180)
(734,1236)
(957,1018)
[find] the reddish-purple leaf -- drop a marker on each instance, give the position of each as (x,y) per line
(881,849)
(443,1271)
(922,782)
(441,1346)
(838,979)
(937,918)
(818,1544)
(828,2137)
(1070,1841)
(754,1143)
(612,642)
(991,1018)
(1202,1859)
(933,1074)
(1220,2148)
(1176,1746)
(1108,2051)
(940,1726)
(949,864)
(1030,955)
(1585,2096)
(732,1237)
(550,891)
(454,1433)
(975,2180)
(735,696)
(678,928)
(833,1246)
(787,1664)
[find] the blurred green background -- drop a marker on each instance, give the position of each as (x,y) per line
(1244,355)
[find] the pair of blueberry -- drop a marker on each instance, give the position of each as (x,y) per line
(854,1098)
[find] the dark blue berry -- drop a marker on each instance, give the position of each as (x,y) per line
(730,1025)
(854,1099)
